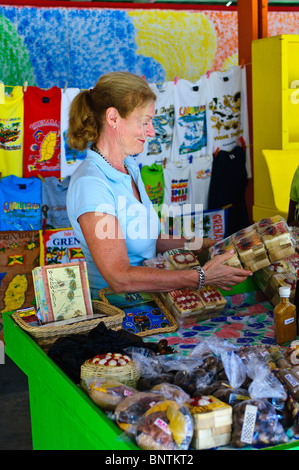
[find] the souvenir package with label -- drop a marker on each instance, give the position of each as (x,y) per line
(191,306)
(167,425)
(159,262)
(212,421)
(130,410)
(276,237)
(258,245)
(185,304)
(281,273)
(252,252)
(108,393)
(181,259)
(224,246)
(212,299)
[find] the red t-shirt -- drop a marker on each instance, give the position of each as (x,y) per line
(41,132)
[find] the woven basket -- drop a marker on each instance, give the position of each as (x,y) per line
(45,336)
(127,374)
(172,320)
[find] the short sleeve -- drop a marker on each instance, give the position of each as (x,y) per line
(88,194)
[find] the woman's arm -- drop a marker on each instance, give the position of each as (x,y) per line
(107,246)
(168,242)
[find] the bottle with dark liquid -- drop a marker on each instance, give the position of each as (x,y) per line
(285,318)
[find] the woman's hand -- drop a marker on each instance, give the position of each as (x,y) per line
(221,275)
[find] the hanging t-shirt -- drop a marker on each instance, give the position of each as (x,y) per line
(200,176)
(54,203)
(153,179)
(70,158)
(189,133)
(42,132)
(227,112)
(228,187)
(176,183)
(12,133)
(20,203)
(157,148)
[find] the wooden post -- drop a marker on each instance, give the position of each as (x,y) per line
(252,24)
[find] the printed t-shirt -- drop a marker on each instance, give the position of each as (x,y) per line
(227,113)
(54,203)
(200,177)
(153,179)
(42,132)
(11,133)
(294,193)
(70,158)
(177,183)
(157,148)
(20,203)
(98,187)
(190,130)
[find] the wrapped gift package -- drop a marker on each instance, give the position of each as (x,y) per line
(212,420)
(258,245)
(281,273)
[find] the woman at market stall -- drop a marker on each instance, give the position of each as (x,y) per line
(107,204)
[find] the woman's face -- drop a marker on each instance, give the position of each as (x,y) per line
(133,130)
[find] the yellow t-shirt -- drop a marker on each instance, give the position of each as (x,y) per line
(12,133)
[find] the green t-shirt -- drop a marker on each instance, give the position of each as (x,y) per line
(294,194)
(153,179)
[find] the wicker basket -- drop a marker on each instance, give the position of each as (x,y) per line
(171,319)
(127,374)
(45,336)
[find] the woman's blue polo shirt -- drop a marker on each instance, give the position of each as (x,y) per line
(96,186)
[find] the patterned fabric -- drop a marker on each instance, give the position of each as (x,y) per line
(247,319)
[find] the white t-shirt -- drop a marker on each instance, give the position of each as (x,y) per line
(158,148)
(200,177)
(70,158)
(190,130)
(176,183)
(227,112)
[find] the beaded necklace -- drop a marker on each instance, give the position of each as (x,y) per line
(95,149)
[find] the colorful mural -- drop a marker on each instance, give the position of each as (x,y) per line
(59,46)
(48,46)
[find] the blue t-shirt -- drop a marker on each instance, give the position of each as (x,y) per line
(96,186)
(20,203)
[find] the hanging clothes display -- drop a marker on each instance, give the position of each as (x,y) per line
(227,114)
(158,148)
(12,133)
(70,158)
(20,203)
(153,179)
(228,186)
(54,213)
(200,176)
(190,130)
(177,183)
(42,132)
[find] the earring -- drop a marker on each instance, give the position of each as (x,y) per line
(114,127)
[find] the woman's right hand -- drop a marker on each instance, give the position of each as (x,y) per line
(221,275)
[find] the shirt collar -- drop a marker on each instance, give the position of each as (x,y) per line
(107,169)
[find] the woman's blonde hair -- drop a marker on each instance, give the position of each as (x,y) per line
(121,90)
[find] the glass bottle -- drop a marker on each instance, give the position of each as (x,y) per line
(285,318)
